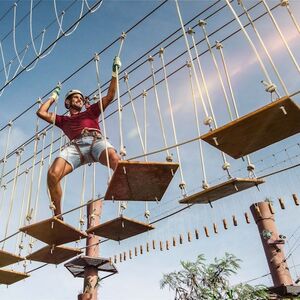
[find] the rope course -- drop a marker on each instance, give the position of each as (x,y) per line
(171,74)
(47,50)
(189,94)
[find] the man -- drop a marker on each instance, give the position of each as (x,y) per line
(82,128)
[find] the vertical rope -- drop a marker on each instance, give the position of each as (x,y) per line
(52,135)
(144,95)
(64,183)
(208,119)
(36,139)
(81,215)
(269,84)
(182,183)
(4,160)
(126,77)
(96,59)
(40,176)
(93,187)
(23,57)
(204,181)
(14,36)
(264,47)
(12,196)
(54,44)
(281,35)
(219,47)
(202,25)
(285,3)
(150,60)
(120,107)
(52,206)
(94,182)
(4,188)
(226,165)
(19,243)
(62,13)
(37,53)
(6,73)
(191,32)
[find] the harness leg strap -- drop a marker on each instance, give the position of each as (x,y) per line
(79,152)
(91,149)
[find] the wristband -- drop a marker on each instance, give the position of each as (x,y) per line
(54,96)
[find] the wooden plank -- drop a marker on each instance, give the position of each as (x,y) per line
(140,181)
(258,129)
(9,277)
(54,255)
(120,228)
(7,258)
(54,232)
(222,190)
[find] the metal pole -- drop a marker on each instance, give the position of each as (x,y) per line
(273,243)
(90,287)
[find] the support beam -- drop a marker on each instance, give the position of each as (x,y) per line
(273,244)
(90,289)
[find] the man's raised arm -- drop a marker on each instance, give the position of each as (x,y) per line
(113,83)
(43,110)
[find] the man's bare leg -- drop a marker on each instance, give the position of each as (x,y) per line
(112,156)
(57,171)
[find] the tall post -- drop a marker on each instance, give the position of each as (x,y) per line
(272,242)
(90,287)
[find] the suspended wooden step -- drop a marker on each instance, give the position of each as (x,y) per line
(54,254)
(54,232)
(222,190)
(77,266)
(256,130)
(120,229)
(9,277)
(136,181)
(7,258)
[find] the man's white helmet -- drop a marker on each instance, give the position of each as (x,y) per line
(70,93)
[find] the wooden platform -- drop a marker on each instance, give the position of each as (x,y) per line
(9,277)
(7,258)
(222,190)
(140,181)
(120,229)
(54,255)
(77,265)
(256,130)
(53,232)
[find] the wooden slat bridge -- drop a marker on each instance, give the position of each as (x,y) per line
(221,190)
(54,231)
(7,258)
(120,228)
(256,130)
(9,277)
(54,254)
(140,181)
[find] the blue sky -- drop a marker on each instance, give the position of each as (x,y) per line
(139,278)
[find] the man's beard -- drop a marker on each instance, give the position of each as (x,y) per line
(75,107)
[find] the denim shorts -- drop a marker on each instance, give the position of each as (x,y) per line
(72,156)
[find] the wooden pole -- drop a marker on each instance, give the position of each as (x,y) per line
(90,286)
(273,244)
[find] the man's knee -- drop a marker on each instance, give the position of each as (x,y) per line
(114,160)
(53,177)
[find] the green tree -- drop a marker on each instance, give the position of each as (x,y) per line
(198,280)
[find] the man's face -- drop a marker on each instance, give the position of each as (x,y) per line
(76,102)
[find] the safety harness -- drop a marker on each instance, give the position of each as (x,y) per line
(96,134)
